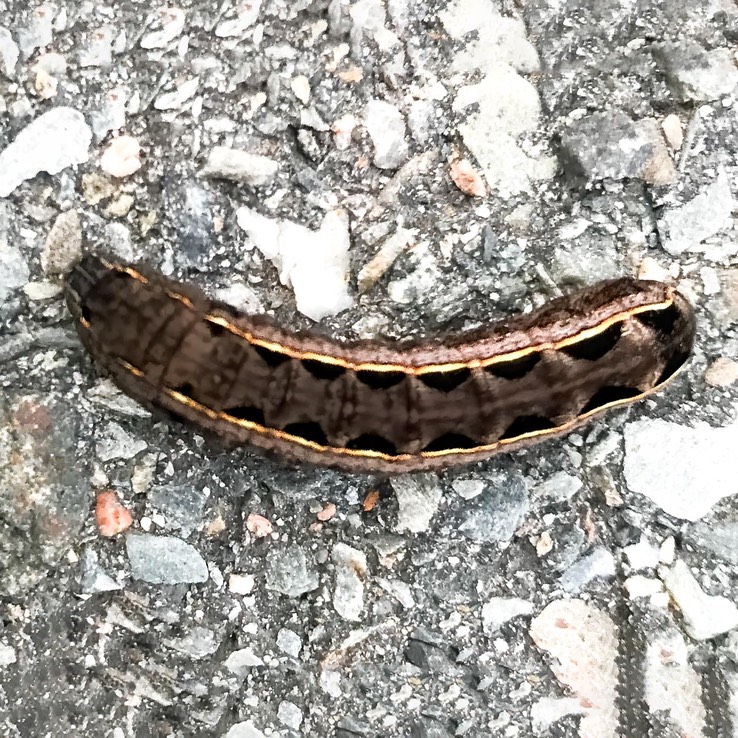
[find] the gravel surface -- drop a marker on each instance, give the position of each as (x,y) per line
(382,167)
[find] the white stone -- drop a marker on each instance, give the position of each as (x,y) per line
(672,684)
(172,25)
(499,610)
(640,586)
(314,263)
(386,128)
(54,141)
(684,471)
(560,486)
(642,555)
(116,443)
(244,730)
(468,488)
(583,642)
(179,96)
(242,661)
(685,227)
(704,616)
(9,53)
(247,14)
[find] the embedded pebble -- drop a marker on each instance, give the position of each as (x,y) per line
(560,486)
(242,661)
(289,714)
(720,538)
(291,571)
(244,730)
(695,74)
(246,15)
(351,571)
(418,498)
(289,642)
(93,577)
(122,157)
(9,53)
(672,685)
(386,128)
(111,515)
(314,263)
(684,471)
(57,139)
(14,271)
(116,443)
(172,22)
(685,227)
(240,166)
(499,610)
(583,642)
(63,246)
(164,560)
(704,616)
(468,488)
(722,372)
(499,512)
(600,564)
(388,252)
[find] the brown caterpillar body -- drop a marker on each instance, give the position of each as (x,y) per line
(370,405)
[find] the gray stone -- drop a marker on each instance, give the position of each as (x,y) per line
(418,497)
(560,487)
(164,560)
(197,642)
(240,166)
(497,514)
(606,145)
(116,443)
(9,53)
(181,504)
(291,571)
(14,271)
(63,245)
(684,471)
(697,75)
(289,714)
(600,564)
(93,578)
(685,227)
(242,661)
(720,538)
(386,128)
(57,139)
(245,729)
(348,593)
(289,642)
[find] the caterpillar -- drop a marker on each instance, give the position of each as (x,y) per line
(374,405)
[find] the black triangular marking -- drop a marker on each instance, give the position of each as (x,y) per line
(247,412)
(445,381)
(674,364)
(594,348)
(323,370)
(662,321)
(527,424)
(380,380)
(449,441)
(310,431)
(371,442)
(215,328)
(514,369)
(272,358)
(606,395)
(185,389)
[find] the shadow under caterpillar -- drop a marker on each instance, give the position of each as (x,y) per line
(377,406)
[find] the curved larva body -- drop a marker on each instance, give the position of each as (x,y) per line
(371,405)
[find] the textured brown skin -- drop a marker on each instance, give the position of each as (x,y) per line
(154,337)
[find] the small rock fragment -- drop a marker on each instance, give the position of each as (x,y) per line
(122,157)
(240,166)
(386,128)
(390,249)
(499,610)
(116,443)
(697,75)
(326,513)
(14,271)
(289,642)
(583,642)
(57,139)
(93,578)
(63,245)
(600,564)
(242,584)
(466,177)
(246,15)
(315,263)
(242,661)
(672,128)
(111,515)
(560,486)
(178,97)
(259,526)
(418,497)
(9,53)
(684,471)
(172,24)
(672,685)
(244,730)
(685,227)
(722,372)
(704,616)
(289,714)
(164,560)
(290,571)
(720,538)
(301,87)
(468,488)
(348,593)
